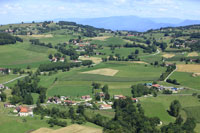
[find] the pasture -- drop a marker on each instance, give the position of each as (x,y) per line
(158,106)
(23,54)
(187,80)
(77,82)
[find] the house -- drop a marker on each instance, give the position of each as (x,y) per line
(62,98)
(2,86)
(101,94)
(156,85)
(4,70)
(105,106)
(69,102)
(148,84)
(119,97)
(76,61)
(54,100)
(62,59)
(88,105)
(25,111)
(86,98)
(135,100)
(54,59)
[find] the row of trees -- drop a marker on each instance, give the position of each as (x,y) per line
(140,90)
(21,92)
(178,126)
(170,68)
(37,42)
(6,38)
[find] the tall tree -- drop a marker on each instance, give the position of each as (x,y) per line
(175,108)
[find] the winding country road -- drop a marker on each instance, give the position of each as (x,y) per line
(14,79)
(158,52)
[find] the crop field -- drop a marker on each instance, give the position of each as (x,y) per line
(104,71)
(127,72)
(78,82)
(95,60)
(70,129)
(101,38)
(109,41)
(193,54)
(168,55)
(192,68)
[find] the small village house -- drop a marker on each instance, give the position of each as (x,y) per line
(86,98)
(25,111)
(105,106)
(119,97)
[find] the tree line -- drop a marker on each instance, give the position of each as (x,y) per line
(6,38)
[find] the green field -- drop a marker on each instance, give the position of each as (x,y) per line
(23,54)
(75,83)
(187,80)
(5,78)
(193,112)
(158,106)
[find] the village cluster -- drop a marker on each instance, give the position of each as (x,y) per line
(161,87)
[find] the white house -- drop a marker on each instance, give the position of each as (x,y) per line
(105,106)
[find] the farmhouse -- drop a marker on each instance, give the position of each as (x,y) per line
(101,94)
(62,59)
(4,70)
(135,100)
(156,85)
(25,111)
(62,98)
(148,84)
(54,100)
(69,102)
(86,98)
(105,106)
(119,97)
(1,86)
(88,105)
(54,59)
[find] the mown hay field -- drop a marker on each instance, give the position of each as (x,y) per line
(104,71)
(95,60)
(192,68)
(70,129)
(168,55)
(193,54)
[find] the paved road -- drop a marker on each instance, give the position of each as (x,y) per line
(170,74)
(14,79)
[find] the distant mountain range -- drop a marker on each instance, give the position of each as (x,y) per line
(132,23)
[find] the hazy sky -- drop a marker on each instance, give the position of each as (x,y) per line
(13,11)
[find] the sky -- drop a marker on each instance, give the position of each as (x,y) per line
(16,11)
